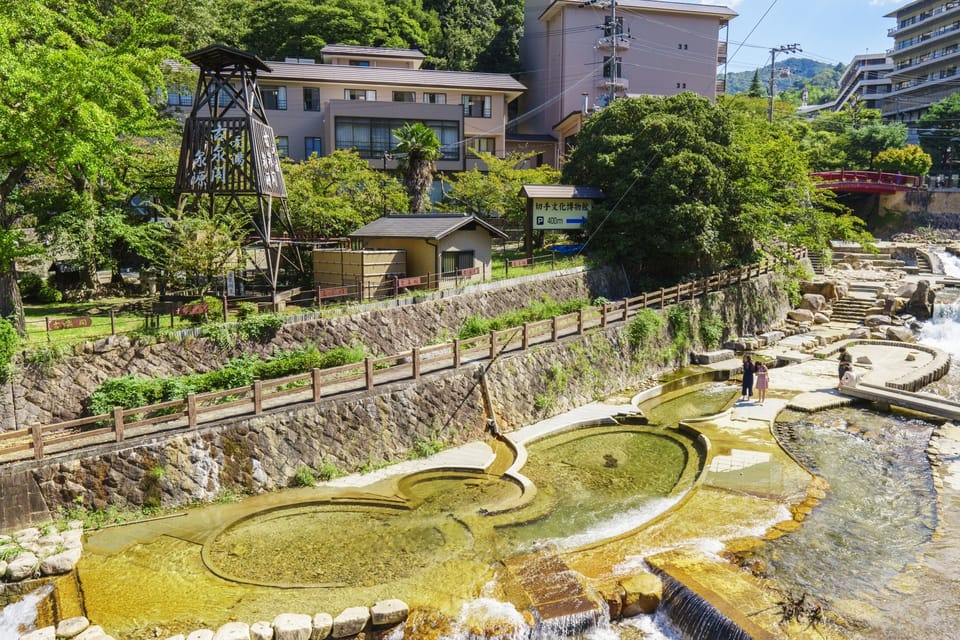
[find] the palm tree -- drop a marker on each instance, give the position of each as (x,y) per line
(417,149)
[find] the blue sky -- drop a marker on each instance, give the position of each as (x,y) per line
(829,31)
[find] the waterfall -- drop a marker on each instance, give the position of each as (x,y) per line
(21,616)
(943,329)
(693,617)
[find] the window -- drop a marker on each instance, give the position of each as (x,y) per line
(404,96)
(453,261)
(434,98)
(283,146)
(274,97)
(359,94)
(487,145)
(612,66)
(476,106)
(372,137)
(359,63)
(312,146)
(179,96)
(311,99)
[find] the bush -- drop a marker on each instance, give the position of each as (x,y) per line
(214,310)
(304,477)
(644,325)
(128,392)
(711,330)
(261,327)
(33,288)
(246,310)
(9,341)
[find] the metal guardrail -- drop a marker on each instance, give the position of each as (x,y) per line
(195,410)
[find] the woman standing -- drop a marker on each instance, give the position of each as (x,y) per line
(746,387)
(763,380)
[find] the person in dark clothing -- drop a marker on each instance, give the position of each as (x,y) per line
(846,362)
(746,386)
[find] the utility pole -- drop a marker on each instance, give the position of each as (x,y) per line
(787,48)
(614,36)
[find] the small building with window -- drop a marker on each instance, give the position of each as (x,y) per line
(445,249)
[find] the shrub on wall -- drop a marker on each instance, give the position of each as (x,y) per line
(645,324)
(9,340)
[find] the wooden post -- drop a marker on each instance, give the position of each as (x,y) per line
(257,397)
(225,305)
(113,323)
(315,379)
(192,410)
(493,344)
(626,307)
(118,423)
(171,316)
(506,266)
(603,315)
(526,336)
(46,319)
(456,353)
(580,322)
(415,357)
(663,297)
(37,434)
(554,329)
(368,371)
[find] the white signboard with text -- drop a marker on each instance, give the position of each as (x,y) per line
(560,213)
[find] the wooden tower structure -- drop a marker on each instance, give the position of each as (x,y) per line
(228,157)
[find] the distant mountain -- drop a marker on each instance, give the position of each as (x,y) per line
(793,76)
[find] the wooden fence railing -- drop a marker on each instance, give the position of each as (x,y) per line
(195,410)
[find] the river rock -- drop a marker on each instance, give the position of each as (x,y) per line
(21,567)
(800,315)
(233,631)
(921,302)
(201,634)
(820,318)
(813,302)
(322,626)
(95,632)
(46,633)
(642,594)
(876,320)
(900,334)
(60,563)
(261,631)
(389,612)
(291,626)
(72,627)
(350,622)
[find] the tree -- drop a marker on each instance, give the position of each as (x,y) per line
(495,193)
(77,85)
(865,142)
(910,160)
(939,131)
(339,193)
(417,149)
(693,187)
(756,89)
(203,246)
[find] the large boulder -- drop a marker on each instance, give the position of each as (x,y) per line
(813,302)
(800,315)
(829,289)
(921,302)
(292,626)
(900,334)
(642,594)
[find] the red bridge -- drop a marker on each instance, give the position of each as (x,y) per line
(865,181)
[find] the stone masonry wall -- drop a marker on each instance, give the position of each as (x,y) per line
(59,393)
(263,453)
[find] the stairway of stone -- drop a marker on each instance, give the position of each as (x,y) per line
(881,260)
(851,309)
(816,261)
(923,263)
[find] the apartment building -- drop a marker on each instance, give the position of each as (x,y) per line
(865,79)
(355,97)
(925,56)
(580,55)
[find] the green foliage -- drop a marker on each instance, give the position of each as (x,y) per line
(495,192)
(645,325)
(426,447)
(911,160)
(939,128)
(678,320)
(794,294)
(157,473)
(260,328)
(328,471)
(246,310)
(33,288)
(304,477)
(712,327)
(337,194)
(9,341)
(543,309)
(219,334)
(130,391)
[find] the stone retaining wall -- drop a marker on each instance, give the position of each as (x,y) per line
(58,392)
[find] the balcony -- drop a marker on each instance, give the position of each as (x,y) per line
(722,53)
(721,87)
(909,23)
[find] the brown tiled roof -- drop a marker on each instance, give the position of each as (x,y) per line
(349,74)
(426,226)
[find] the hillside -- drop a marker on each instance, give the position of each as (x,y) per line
(793,75)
